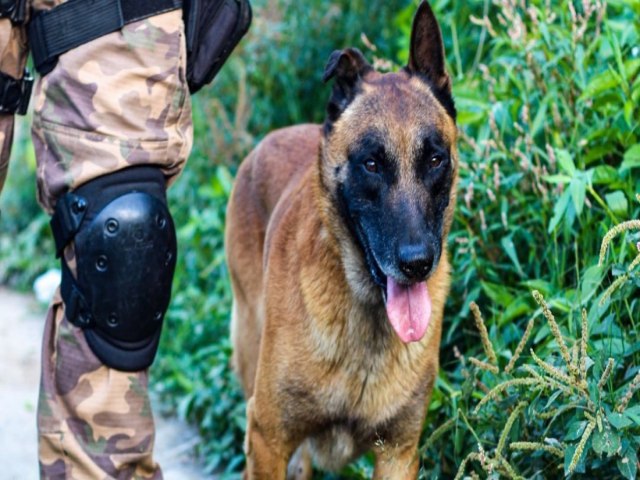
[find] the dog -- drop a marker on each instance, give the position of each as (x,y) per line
(336,247)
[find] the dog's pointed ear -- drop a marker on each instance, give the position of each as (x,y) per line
(348,67)
(426,54)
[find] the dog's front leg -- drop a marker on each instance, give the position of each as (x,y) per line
(266,452)
(394,462)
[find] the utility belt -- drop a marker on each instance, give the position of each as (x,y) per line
(212,28)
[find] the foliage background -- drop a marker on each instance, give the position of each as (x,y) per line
(547,94)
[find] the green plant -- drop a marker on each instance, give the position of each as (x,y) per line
(570,411)
(25,241)
(548,155)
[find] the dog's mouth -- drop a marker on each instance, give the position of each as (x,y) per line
(408,306)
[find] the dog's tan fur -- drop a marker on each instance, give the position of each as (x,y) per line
(322,370)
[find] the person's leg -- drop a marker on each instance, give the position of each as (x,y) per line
(116,102)
(93,421)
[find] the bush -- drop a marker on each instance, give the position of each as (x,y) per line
(548,149)
(26,245)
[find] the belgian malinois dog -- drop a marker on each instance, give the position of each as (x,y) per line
(336,244)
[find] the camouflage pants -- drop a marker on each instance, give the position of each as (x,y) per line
(117,101)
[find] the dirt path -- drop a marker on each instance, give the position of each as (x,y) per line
(21,324)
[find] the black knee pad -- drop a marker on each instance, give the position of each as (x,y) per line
(125,256)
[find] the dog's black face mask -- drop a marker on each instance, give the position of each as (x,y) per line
(396,211)
(388,159)
(395,206)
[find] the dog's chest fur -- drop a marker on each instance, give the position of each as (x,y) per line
(368,371)
(369,381)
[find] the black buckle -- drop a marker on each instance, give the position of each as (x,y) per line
(15,10)
(15,94)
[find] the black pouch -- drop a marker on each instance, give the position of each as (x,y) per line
(213,29)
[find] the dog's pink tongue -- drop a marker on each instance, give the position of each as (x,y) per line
(408,309)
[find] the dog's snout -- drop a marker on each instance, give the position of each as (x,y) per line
(415,261)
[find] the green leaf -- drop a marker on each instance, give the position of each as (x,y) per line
(514,310)
(591,279)
(598,152)
(619,420)
(225,178)
(631,158)
(510,249)
(541,116)
(604,175)
(557,178)
(605,441)
(559,210)
(554,396)
(575,430)
(542,286)
(468,117)
(578,193)
(598,84)
(631,67)
(628,463)
(615,44)
(628,112)
(566,162)
(617,202)
(497,292)
(458,440)
(633,413)
(612,346)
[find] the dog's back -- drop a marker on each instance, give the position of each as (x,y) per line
(265,178)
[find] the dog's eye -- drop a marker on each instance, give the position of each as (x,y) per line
(371,166)
(436,161)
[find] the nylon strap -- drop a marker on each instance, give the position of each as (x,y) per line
(76,22)
(76,306)
(66,221)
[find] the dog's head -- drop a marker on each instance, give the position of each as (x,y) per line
(389,166)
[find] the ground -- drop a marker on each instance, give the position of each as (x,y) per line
(21,324)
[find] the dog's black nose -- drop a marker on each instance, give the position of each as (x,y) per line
(415,261)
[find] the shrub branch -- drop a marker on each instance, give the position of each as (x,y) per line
(580,448)
(495,391)
(615,231)
(606,374)
(537,447)
(484,335)
(633,388)
(520,347)
(555,330)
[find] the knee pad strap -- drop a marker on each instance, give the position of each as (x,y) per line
(125,254)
